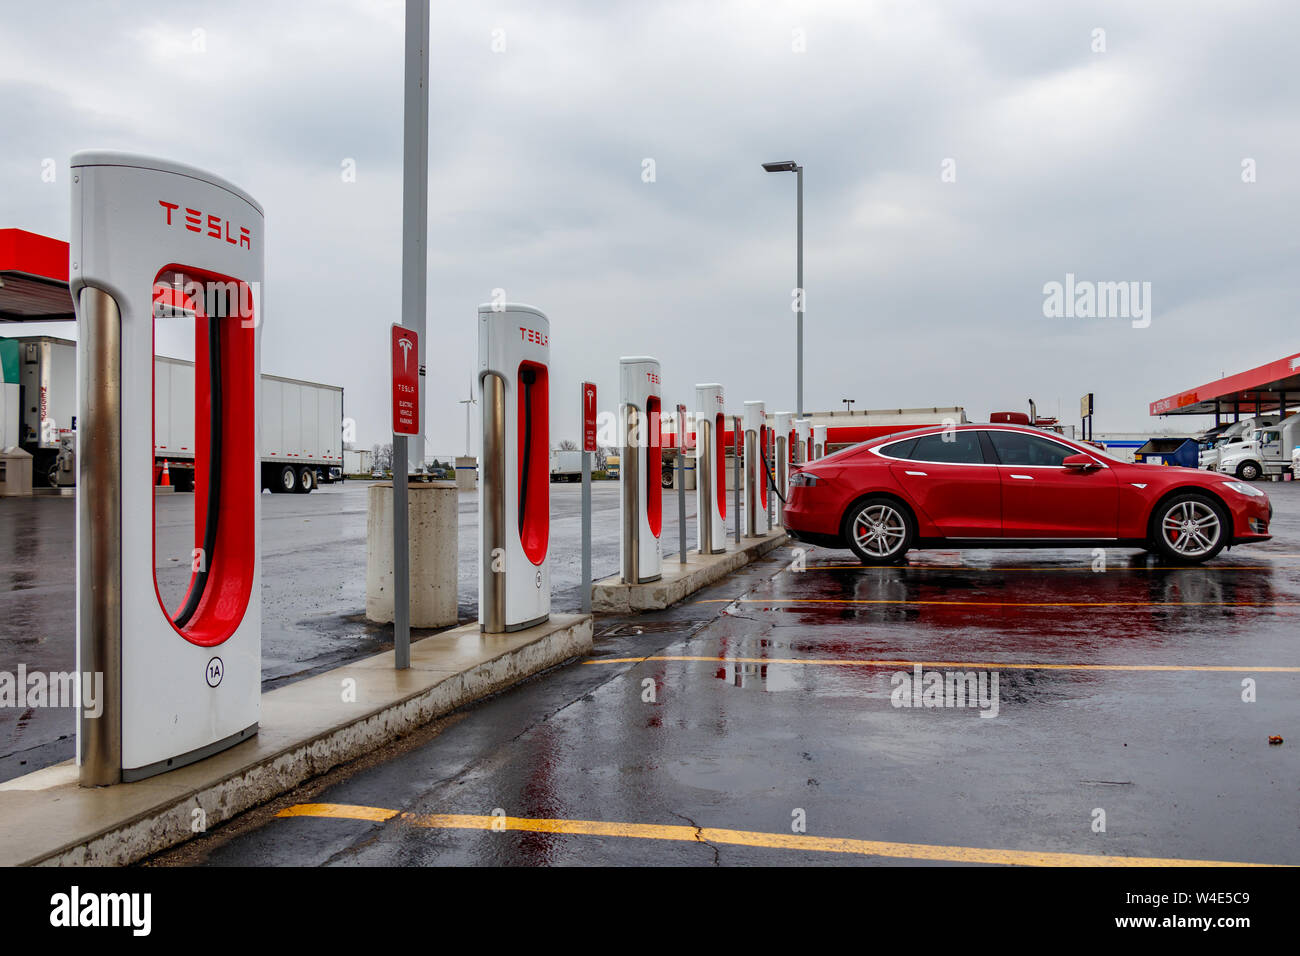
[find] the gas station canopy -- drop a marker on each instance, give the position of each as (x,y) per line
(33,278)
(1270,387)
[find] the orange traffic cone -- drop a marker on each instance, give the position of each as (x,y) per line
(166,475)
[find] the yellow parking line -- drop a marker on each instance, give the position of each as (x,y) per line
(1002,603)
(339,811)
(966,665)
(752,838)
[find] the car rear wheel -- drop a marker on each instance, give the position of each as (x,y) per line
(1190,528)
(879,530)
(1248,471)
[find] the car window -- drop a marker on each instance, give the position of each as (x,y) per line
(1017,448)
(899,449)
(949,447)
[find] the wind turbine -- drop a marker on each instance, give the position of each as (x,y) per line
(467,402)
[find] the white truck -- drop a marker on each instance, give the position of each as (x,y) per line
(1215,443)
(566,465)
(301,422)
(1265,450)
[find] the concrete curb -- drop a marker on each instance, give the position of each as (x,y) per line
(306,730)
(611,596)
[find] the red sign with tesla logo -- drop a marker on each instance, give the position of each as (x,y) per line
(406,381)
(588,416)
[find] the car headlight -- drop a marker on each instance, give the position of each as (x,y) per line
(801,479)
(1242,488)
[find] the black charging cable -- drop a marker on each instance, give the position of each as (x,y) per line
(527,376)
(770,480)
(200,582)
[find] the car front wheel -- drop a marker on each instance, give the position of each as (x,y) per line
(879,530)
(1248,471)
(1190,528)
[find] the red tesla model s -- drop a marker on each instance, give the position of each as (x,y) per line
(1002,486)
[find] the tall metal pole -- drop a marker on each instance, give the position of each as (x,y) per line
(586,532)
(802,297)
(681,501)
(401,557)
(415,194)
(415,211)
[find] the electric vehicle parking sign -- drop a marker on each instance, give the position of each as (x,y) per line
(588,416)
(406,381)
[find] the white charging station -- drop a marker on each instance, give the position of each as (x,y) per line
(641,501)
(157,241)
(711,468)
(782,424)
(803,448)
(514,504)
(754,483)
(818,442)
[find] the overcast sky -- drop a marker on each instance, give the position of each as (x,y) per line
(1117,165)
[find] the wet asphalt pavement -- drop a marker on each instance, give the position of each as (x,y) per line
(313,586)
(1120,725)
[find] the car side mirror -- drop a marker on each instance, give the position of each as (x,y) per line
(1079,463)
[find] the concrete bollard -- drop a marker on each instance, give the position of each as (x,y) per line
(433,523)
(466,473)
(690,474)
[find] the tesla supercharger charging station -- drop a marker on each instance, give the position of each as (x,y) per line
(514,502)
(819,442)
(159,241)
(803,427)
(641,508)
(754,489)
(781,426)
(711,468)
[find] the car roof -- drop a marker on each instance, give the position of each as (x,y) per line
(921,430)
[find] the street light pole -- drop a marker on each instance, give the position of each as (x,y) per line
(789,166)
(799,286)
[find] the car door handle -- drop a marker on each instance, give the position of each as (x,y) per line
(1024,477)
(920,473)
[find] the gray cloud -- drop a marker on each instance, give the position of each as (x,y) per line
(1113,166)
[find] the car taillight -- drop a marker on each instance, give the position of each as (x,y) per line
(802,479)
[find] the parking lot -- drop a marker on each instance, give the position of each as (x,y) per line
(313,586)
(1114,709)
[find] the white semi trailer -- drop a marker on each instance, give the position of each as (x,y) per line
(1266,450)
(1216,444)
(301,422)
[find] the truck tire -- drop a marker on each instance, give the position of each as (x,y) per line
(306,481)
(1248,471)
(286,481)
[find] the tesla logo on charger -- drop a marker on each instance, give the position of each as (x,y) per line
(532,335)
(210,225)
(405,345)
